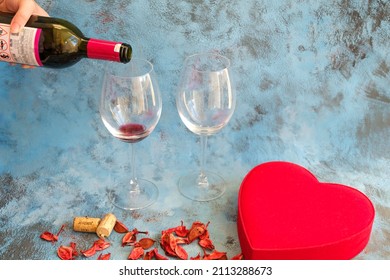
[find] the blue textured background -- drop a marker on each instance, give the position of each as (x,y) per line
(312,80)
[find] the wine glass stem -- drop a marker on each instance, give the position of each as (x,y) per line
(134,187)
(202,179)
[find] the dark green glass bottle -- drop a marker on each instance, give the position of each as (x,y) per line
(54,42)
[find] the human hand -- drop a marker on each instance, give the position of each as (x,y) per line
(23,10)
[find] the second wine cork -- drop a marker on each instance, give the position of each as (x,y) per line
(106,225)
(86,224)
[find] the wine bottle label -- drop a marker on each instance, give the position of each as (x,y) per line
(21,47)
(101,49)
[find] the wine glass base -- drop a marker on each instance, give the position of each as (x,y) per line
(190,187)
(127,199)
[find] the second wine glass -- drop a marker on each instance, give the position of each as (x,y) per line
(130,108)
(205,101)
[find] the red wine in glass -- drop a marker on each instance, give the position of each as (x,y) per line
(132,132)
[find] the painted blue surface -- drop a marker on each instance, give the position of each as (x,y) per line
(312,80)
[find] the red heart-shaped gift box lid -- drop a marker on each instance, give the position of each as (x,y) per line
(285,213)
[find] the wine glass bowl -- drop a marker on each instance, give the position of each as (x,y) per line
(130,108)
(205,101)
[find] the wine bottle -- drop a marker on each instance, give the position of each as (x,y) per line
(54,42)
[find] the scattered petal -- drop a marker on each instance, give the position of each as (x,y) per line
(101,244)
(239,256)
(215,255)
(120,227)
(67,252)
(206,243)
(89,252)
(104,257)
(136,253)
(129,239)
(158,256)
(181,253)
(48,236)
(146,243)
(197,229)
(198,257)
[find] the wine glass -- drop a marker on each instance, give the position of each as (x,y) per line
(205,101)
(130,108)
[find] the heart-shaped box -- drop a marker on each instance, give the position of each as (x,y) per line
(285,213)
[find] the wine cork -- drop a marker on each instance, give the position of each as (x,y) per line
(85,224)
(106,225)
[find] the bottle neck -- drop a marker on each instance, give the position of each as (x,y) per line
(108,50)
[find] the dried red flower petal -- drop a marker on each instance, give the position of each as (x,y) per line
(215,255)
(136,253)
(182,233)
(131,237)
(181,230)
(197,257)
(67,252)
(239,256)
(172,242)
(154,254)
(168,243)
(158,256)
(146,243)
(98,245)
(101,244)
(89,252)
(181,253)
(48,236)
(120,227)
(182,240)
(206,243)
(149,255)
(73,245)
(205,235)
(197,229)
(104,257)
